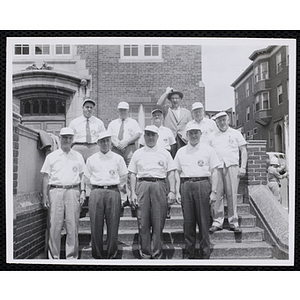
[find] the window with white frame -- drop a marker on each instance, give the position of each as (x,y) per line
(141,113)
(62,49)
(248,113)
(262,101)
(278,63)
(279,93)
(42,49)
(21,49)
(264,74)
(247,89)
(141,52)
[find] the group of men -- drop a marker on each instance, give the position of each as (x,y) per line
(184,157)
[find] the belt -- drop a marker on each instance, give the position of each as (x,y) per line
(64,186)
(85,144)
(193,179)
(104,186)
(152,179)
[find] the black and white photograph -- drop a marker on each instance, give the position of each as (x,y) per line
(150,151)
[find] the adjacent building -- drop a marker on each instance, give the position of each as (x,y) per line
(51,80)
(262,98)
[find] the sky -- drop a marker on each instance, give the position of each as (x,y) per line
(221,66)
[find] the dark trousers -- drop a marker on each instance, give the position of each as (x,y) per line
(151,216)
(104,204)
(195,207)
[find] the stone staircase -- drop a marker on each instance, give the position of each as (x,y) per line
(225,244)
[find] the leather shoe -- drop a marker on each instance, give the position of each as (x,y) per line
(213,229)
(236,229)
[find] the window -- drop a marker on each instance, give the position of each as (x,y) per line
(151,50)
(287,55)
(131,50)
(248,113)
(141,52)
(254,130)
(43,107)
(42,49)
(261,101)
(249,135)
(256,74)
(278,63)
(236,97)
(62,49)
(247,89)
(237,120)
(21,49)
(279,94)
(264,70)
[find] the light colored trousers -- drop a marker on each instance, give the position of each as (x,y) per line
(275,189)
(228,182)
(64,206)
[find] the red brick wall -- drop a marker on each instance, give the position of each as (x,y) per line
(257,165)
(116,81)
(29,234)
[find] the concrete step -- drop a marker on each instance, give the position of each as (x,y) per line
(176,210)
(176,236)
(176,222)
(247,250)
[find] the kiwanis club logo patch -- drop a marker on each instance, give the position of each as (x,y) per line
(200,163)
(75,169)
(93,132)
(161,163)
(112,173)
(231,141)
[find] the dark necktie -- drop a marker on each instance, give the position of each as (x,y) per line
(121,131)
(88,132)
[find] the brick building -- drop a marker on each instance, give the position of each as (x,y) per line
(261,98)
(50,81)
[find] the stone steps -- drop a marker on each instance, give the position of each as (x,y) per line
(245,250)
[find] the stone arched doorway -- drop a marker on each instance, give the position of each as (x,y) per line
(47,99)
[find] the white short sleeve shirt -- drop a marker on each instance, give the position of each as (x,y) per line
(196,161)
(63,168)
(226,144)
(105,169)
(151,162)
(79,127)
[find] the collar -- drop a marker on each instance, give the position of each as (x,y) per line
(190,147)
(150,149)
(61,152)
(107,154)
(178,108)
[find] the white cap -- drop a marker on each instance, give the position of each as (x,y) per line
(88,100)
(197,105)
(103,135)
(66,131)
(192,126)
(123,105)
(151,128)
(274,161)
(220,114)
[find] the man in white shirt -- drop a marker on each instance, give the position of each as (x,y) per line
(207,125)
(124,132)
(63,194)
(149,169)
(176,117)
(107,173)
(86,129)
(227,142)
(196,181)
